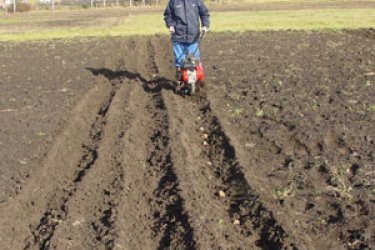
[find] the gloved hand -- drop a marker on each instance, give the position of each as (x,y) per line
(205,29)
(171,30)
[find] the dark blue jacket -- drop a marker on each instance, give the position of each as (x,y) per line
(184,16)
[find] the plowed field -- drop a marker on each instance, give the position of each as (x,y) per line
(276,152)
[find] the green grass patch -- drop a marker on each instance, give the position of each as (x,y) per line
(221,22)
(10,21)
(296,20)
(23,19)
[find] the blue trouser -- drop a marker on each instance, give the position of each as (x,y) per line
(180,50)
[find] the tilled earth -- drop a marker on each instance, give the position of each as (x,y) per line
(276,152)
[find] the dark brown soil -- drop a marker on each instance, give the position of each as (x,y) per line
(276,152)
(296,108)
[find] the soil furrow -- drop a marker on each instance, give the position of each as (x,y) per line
(38,210)
(281,157)
(105,227)
(152,213)
(213,228)
(207,213)
(90,222)
(153,68)
(134,217)
(245,206)
(171,220)
(57,210)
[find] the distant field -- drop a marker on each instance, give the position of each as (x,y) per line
(102,23)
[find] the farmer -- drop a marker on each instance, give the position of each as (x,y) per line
(182,20)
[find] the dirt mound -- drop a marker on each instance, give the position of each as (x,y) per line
(276,153)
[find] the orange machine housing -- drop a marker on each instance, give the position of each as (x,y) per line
(199,71)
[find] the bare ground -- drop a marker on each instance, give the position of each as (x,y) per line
(277,152)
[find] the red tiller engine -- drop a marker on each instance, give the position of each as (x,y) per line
(196,74)
(192,75)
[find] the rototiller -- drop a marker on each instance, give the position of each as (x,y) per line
(191,75)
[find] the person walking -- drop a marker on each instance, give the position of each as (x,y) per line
(184,19)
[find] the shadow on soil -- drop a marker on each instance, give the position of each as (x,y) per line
(154,85)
